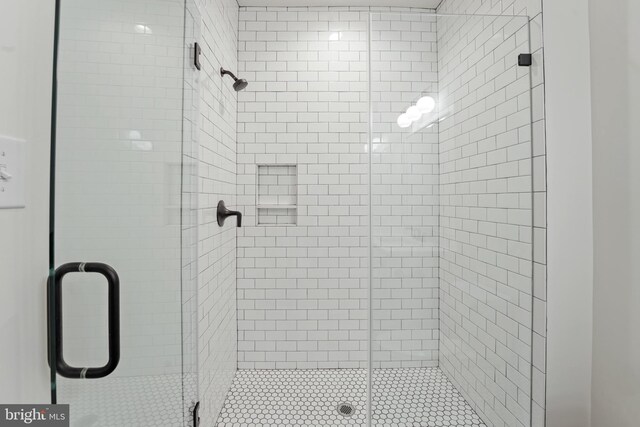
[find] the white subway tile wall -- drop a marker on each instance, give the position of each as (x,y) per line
(533,10)
(303,289)
(277,185)
(486,214)
(308,105)
(217,23)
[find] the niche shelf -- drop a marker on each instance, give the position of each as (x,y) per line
(277,195)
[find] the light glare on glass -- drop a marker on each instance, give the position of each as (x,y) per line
(404,121)
(414,113)
(143,29)
(426,104)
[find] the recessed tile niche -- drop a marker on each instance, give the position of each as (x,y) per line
(277,194)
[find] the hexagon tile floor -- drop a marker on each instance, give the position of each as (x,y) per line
(144,401)
(408,397)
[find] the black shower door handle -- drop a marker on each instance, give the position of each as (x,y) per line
(113,280)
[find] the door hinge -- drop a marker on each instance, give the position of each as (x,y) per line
(525,60)
(196,414)
(197,50)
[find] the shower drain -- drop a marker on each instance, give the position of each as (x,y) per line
(346,409)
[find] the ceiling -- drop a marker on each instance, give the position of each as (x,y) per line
(429,4)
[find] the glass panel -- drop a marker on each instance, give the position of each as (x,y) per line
(450,197)
(452,220)
(189,236)
(125,197)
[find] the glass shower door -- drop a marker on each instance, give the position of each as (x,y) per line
(451,171)
(124,246)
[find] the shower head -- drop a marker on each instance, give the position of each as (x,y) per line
(239,84)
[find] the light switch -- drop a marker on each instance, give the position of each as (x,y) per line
(11,173)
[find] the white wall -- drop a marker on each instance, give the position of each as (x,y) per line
(570,246)
(615,86)
(26,42)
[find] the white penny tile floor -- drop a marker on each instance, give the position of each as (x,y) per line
(145,401)
(408,397)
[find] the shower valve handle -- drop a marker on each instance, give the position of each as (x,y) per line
(223,213)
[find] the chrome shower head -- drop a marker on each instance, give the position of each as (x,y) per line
(239,84)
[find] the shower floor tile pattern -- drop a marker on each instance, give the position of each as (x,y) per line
(144,401)
(407,397)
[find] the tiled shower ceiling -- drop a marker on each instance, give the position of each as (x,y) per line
(428,4)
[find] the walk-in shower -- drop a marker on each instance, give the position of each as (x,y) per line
(380,167)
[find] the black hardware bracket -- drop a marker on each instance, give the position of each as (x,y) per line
(525,59)
(197,50)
